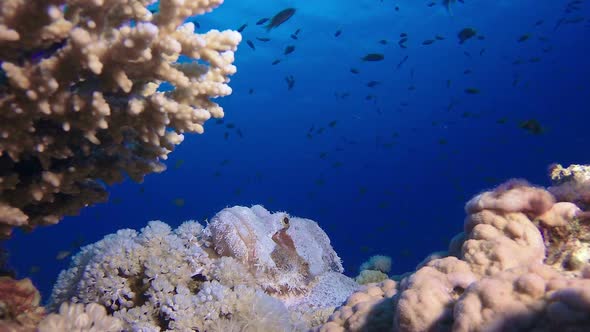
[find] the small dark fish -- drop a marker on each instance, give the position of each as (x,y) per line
(289,49)
(534,59)
(467,54)
(230,126)
(373,57)
(337,33)
(263,39)
(354,70)
(251,44)
(239,132)
(574,20)
(251,91)
(401,42)
(219,121)
(532,126)
(466,34)
(276,62)
(539,22)
(240,29)
(523,38)
(280,18)
(296,33)
(262,21)
(399,65)
(472,91)
(431,4)
(482,51)
(332,123)
(480,37)
(403,35)
(373,83)
(383,42)
(62,254)
(558,24)
(428,42)
(226,135)
(467,71)
(439,37)
(290,82)
(518,62)
(294,36)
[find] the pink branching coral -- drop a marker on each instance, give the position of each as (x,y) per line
(80,98)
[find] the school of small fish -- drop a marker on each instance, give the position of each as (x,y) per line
(260,34)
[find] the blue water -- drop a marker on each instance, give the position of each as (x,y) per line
(399,167)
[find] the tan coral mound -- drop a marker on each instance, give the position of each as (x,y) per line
(521,264)
(82,102)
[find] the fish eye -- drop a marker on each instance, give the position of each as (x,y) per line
(286,221)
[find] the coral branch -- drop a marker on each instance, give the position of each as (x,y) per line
(81,104)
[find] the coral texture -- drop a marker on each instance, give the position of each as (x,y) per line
(19,305)
(522,263)
(249,268)
(368,309)
(571,184)
(83,318)
(91,91)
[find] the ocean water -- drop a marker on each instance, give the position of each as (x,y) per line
(385,169)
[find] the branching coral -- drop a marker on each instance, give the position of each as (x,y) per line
(81,102)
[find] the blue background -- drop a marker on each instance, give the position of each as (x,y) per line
(398,168)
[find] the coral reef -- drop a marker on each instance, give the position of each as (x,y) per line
(247,268)
(91,91)
(522,263)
